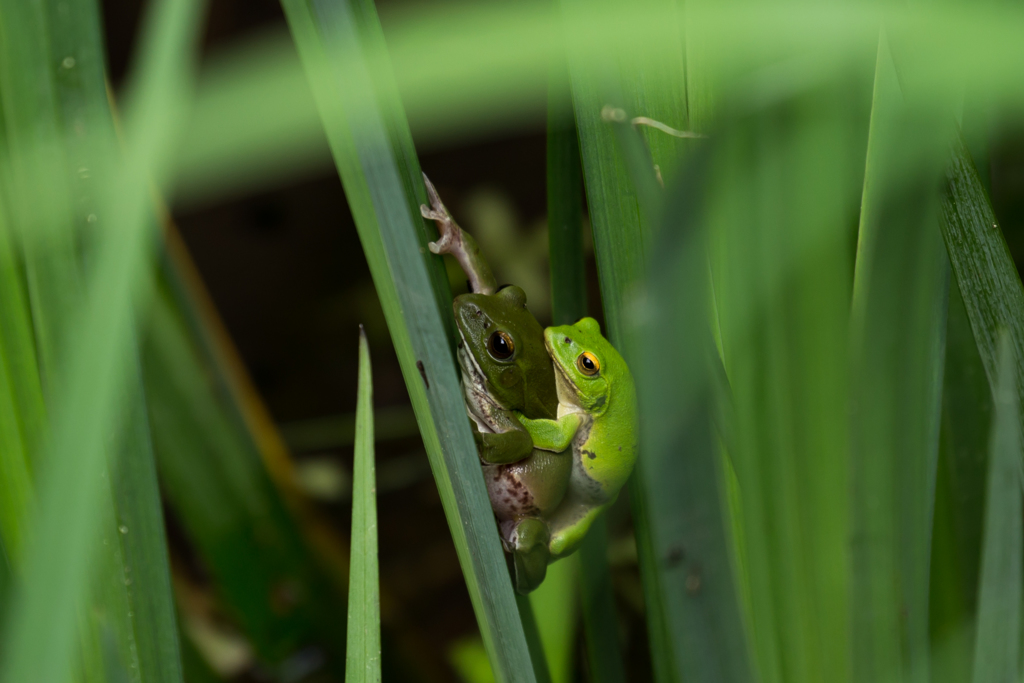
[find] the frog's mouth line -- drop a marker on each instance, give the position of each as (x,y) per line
(474,387)
(565,388)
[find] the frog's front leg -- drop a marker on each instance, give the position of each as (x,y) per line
(500,438)
(501,448)
(552,435)
(455,241)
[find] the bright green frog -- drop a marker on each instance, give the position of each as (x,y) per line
(597,417)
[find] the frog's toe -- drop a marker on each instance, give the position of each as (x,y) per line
(531,568)
(530,556)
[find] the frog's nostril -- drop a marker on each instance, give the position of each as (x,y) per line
(568,341)
(462,344)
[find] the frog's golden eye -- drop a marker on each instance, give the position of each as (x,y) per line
(501,345)
(588,363)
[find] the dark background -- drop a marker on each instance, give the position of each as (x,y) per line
(287,274)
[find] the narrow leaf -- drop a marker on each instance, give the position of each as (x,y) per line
(538,658)
(686,507)
(898,338)
(997,644)
(363,650)
(988,279)
(40,639)
(959,499)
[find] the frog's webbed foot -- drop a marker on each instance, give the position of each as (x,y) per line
(454,241)
(451,235)
(530,554)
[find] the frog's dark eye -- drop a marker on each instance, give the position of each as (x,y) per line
(501,345)
(588,363)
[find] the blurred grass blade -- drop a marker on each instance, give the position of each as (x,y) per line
(959,499)
(993,298)
(363,650)
(900,301)
(600,618)
(341,46)
(22,412)
(40,636)
(692,638)
(133,610)
(5,582)
(997,643)
(619,251)
(565,210)
(555,606)
(146,626)
(697,576)
(988,279)
(491,71)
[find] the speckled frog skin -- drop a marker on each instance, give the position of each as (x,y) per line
(597,424)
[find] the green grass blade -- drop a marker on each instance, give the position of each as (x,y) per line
(40,635)
(997,643)
(363,650)
(134,587)
(959,499)
(565,211)
(600,619)
(988,279)
(145,572)
(555,605)
(618,244)
(538,657)
(373,150)
(130,607)
(686,493)
(5,582)
(22,411)
(899,313)
(703,638)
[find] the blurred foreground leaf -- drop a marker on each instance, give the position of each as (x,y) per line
(997,648)
(699,591)
(98,522)
(989,281)
(900,305)
(959,498)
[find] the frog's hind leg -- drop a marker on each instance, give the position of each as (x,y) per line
(530,554)
(570,525)
(455,241)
